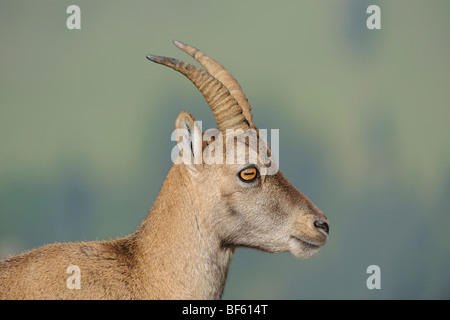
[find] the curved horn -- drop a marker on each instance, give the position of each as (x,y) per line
(227,112)
(221,74)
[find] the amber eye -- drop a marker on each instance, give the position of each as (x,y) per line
(248,175)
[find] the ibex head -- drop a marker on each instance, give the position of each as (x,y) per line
(247,203)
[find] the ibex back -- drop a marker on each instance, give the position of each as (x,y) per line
(204,211)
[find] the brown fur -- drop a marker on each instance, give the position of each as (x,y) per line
(183,247)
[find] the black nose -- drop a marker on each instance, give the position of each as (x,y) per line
(320,224)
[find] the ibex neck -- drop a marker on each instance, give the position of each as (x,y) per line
(180,255)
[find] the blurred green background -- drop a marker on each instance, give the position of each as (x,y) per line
(85,124)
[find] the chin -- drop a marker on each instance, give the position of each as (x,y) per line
(304,254)
(302,249)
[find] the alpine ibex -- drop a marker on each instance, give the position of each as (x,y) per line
(184,246)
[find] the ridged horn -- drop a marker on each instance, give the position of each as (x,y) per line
(226,110)
(223,75)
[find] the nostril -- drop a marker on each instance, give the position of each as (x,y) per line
(320,224)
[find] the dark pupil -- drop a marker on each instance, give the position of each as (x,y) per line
(249,174)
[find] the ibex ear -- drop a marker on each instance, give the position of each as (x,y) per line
(188,134)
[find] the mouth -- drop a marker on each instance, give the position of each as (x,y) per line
(306,243)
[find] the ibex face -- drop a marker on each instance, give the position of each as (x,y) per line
(247,204)
(266,213)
